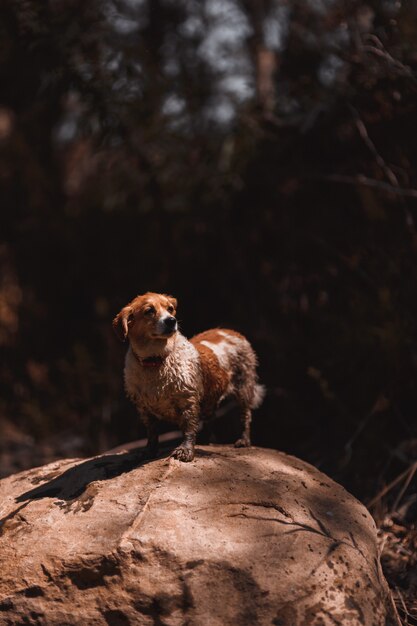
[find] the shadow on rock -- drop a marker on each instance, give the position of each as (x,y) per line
(73,482)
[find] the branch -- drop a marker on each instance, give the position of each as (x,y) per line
(363,132)
(364,181)
(378,49)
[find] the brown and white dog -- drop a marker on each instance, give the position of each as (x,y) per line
(170,378)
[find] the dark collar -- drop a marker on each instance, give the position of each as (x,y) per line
(150,361)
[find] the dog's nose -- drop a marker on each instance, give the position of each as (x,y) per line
(170,322)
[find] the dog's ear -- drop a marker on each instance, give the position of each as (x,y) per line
(122,321)
(173,301)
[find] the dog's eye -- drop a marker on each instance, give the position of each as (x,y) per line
(150,310)
(170,309)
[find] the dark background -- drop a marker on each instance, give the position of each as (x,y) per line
(256,159)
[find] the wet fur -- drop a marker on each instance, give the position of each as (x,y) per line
(194,376)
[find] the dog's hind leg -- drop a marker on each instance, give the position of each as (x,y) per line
(246,418)
(249,397)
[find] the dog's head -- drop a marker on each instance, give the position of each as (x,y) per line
(151,316)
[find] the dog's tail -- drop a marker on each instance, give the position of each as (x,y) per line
(258,396)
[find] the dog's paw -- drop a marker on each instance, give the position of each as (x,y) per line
(243,442)
(183,453)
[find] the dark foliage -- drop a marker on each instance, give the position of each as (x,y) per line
(255,158)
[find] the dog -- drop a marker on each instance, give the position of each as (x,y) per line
(171,378)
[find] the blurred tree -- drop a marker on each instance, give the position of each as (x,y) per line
(254,157)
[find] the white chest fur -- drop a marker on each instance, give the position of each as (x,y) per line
(165,391)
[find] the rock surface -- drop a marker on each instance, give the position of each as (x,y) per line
(242,537)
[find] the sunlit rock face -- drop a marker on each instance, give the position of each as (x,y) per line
(248,536)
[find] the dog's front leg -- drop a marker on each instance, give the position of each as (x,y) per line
(185,451)
(151,424)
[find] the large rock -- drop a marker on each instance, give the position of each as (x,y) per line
(242,537)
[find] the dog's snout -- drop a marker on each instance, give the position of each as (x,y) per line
(170,322)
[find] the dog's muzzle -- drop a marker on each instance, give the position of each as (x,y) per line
(170,325)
